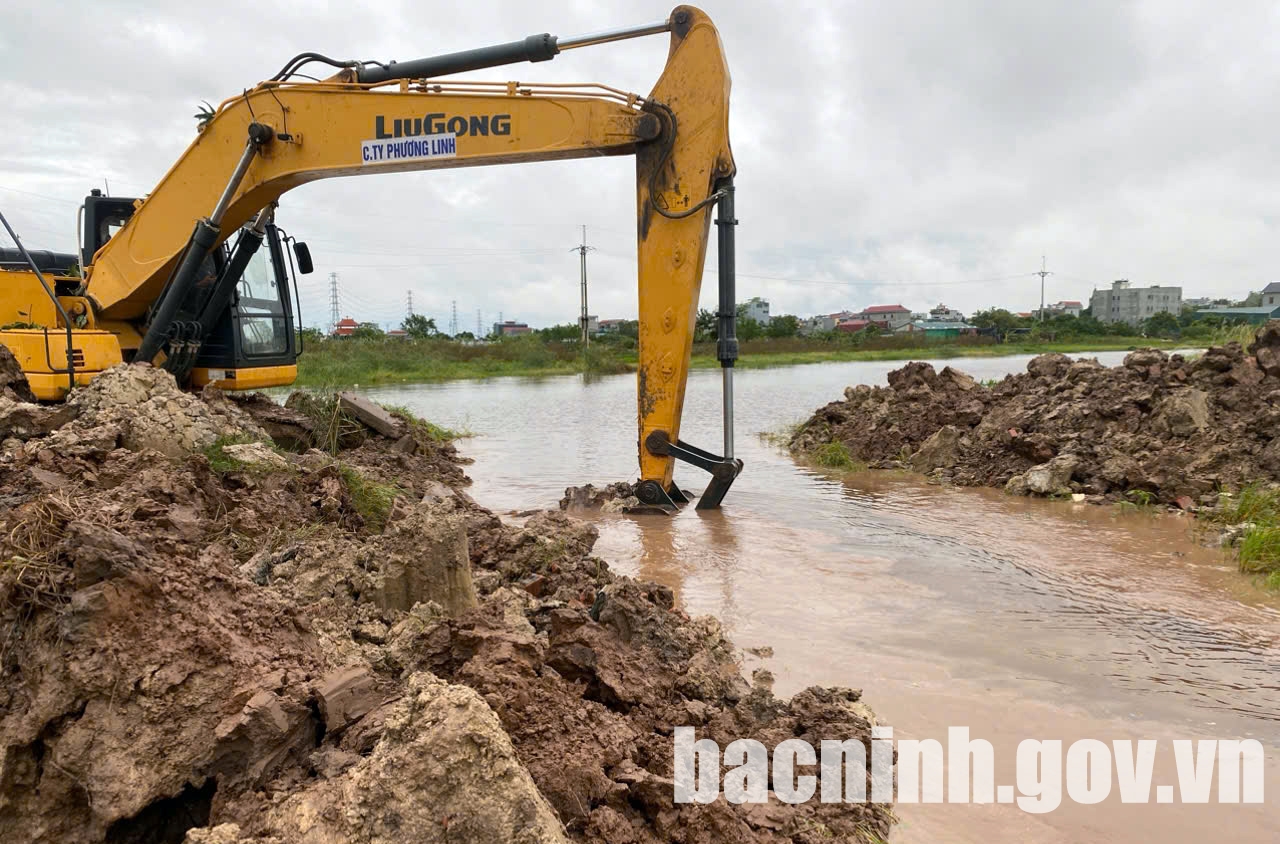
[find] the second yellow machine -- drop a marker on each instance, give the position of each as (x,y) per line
(160,278)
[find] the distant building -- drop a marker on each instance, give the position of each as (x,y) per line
(944,314)
(398,333)
(1271,294)
(758,310)
(1057,309)
(345,327)
(1250,315)
(1025,315)
(938,328)
(509,328)
(823,323)
(593,325)
(1205,302)
(1132,305)
(820,324)
(852,326)
(886,317)
(609,326)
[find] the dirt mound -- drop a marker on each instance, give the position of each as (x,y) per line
(1165,425)
(13,383)
(248,643)
(615,497)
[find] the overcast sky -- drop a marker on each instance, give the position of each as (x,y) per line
(888,152)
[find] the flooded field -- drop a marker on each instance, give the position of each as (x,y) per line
(1017,618)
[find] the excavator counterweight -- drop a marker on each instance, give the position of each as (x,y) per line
(161,279)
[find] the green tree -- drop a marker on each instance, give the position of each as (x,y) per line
(1089,324)
(368,331)
(418,327)
(1253,300)
(464,335)
(1162,324)
(706,327)
(747,328)
(998,318)
(560,333)
(786,325)
(311,335)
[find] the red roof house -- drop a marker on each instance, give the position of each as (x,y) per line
(886,316)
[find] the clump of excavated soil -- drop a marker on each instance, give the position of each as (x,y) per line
(229,645)
(1179,430)
(615,497)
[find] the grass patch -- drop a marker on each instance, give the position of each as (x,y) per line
(1254,503)
(1273,580)
(1258,506)
(372,499)
(1141,497)
(1260,551)
(431,430)
(344,362)
(1244,334)
(835,455)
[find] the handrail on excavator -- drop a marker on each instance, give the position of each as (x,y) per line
(66,319)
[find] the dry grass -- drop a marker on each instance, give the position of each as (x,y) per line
(333,425)
(42,525)
(32,578)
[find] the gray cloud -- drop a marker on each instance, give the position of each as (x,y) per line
(907,151)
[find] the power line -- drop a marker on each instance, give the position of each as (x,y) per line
(710,270)
(39,196)
(481,263)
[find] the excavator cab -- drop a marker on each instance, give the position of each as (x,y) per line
(252,341)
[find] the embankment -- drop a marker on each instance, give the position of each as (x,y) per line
(1160,428)
(212,636)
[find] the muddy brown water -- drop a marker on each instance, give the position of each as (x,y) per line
(948,607)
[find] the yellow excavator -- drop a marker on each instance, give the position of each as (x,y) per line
(161,278)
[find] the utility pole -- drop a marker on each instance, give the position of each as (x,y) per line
(1043,272)
(453,320)
(410,305)
(583,319)
(333,302)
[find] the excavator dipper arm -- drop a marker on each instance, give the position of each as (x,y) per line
(374,119)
